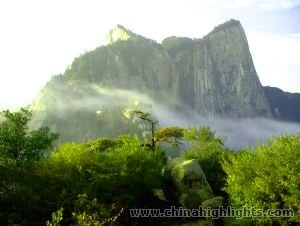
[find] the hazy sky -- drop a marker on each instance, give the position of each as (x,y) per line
(39,39)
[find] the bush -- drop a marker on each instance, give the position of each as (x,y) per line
(106,180)
(209,151)
(267,178)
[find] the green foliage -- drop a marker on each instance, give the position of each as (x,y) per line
(89,212)
(171,135)
(102,144)
(177,44)
(20,150)
(56,218)
(209,151)
(228,24)
(267,178)
(93,183)
(90,184)
(123,176)
(203,138)
(17,143)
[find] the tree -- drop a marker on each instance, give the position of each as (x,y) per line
(122,175)
(203,138)
(267,178)
(209,150)
(18,143)
(171,134)
(145,116)
(20,147)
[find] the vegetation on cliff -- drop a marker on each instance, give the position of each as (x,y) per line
(213,76)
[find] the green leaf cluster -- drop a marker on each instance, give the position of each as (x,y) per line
(267,178)
(209,150)
(19,144)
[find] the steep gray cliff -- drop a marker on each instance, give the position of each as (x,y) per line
(217,75)
(212,76)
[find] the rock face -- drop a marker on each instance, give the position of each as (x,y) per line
(217,75)
(285,106)
(191,187)
(212,76)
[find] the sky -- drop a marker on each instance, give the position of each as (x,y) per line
(39,39)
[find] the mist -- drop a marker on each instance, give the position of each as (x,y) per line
(93,99)
(237,133)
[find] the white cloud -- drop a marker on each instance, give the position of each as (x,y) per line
(40,38)
(277,59)
(235,4)
(277,4)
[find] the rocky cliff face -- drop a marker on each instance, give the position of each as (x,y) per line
(212,76)
(284,105)
(217,75)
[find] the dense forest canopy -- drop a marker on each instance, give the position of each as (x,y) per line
(98,182)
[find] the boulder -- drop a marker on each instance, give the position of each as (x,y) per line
(192,188)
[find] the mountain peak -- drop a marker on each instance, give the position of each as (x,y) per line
(228,24)
(229,31)
(120,33)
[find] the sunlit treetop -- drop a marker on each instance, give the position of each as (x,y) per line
(120,33)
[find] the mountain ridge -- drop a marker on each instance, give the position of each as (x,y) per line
(212,77)
(284,105)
